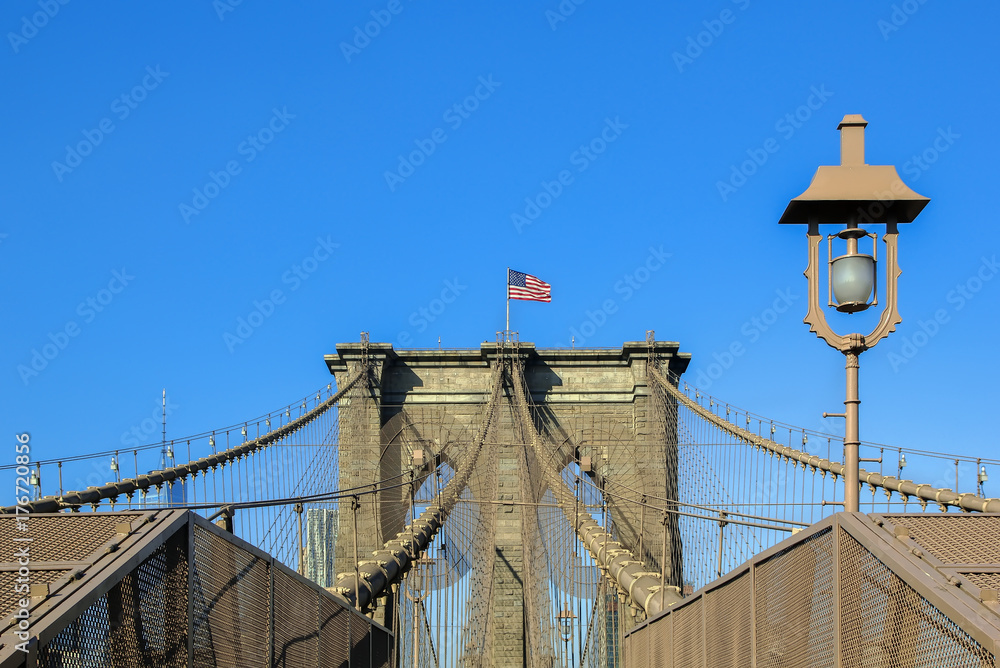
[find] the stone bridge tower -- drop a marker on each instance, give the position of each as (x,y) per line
(590,403)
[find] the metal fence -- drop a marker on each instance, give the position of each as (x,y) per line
(165,589)
(853,590)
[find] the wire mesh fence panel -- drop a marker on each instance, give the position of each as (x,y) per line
(11,590)
(296,623)
(334,640)
(958,539)
(66,537)
(382,649)
(661,643)
(795,605)
(984,580)
(728,624)
(887,623)
(689,636)
(853,591)
(638,656)
(169,589)
(231,592)
(141,622)
(361,642)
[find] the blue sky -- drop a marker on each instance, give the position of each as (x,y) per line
(172,170)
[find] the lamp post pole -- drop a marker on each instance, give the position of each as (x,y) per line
(845,195)
(852,438)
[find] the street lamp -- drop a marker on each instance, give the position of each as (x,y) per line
(565,619)
(848,195)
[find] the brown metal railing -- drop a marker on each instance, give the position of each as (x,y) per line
(851,590)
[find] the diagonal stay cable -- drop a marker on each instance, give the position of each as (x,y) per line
(371,579)
(642,587)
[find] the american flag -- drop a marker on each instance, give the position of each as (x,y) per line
(528,287)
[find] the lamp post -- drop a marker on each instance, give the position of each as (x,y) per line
(565,619)
(848,195)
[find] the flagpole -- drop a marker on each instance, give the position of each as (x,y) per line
(507,288)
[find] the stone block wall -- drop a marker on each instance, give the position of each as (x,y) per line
(589,402)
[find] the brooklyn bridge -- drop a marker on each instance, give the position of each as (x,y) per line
(509,505)
(504,506)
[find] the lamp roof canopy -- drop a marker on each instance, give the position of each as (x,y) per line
(854,191)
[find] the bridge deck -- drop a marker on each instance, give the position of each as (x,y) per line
(854,589)
(166,588)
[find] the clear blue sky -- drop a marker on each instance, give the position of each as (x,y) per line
(181,164)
